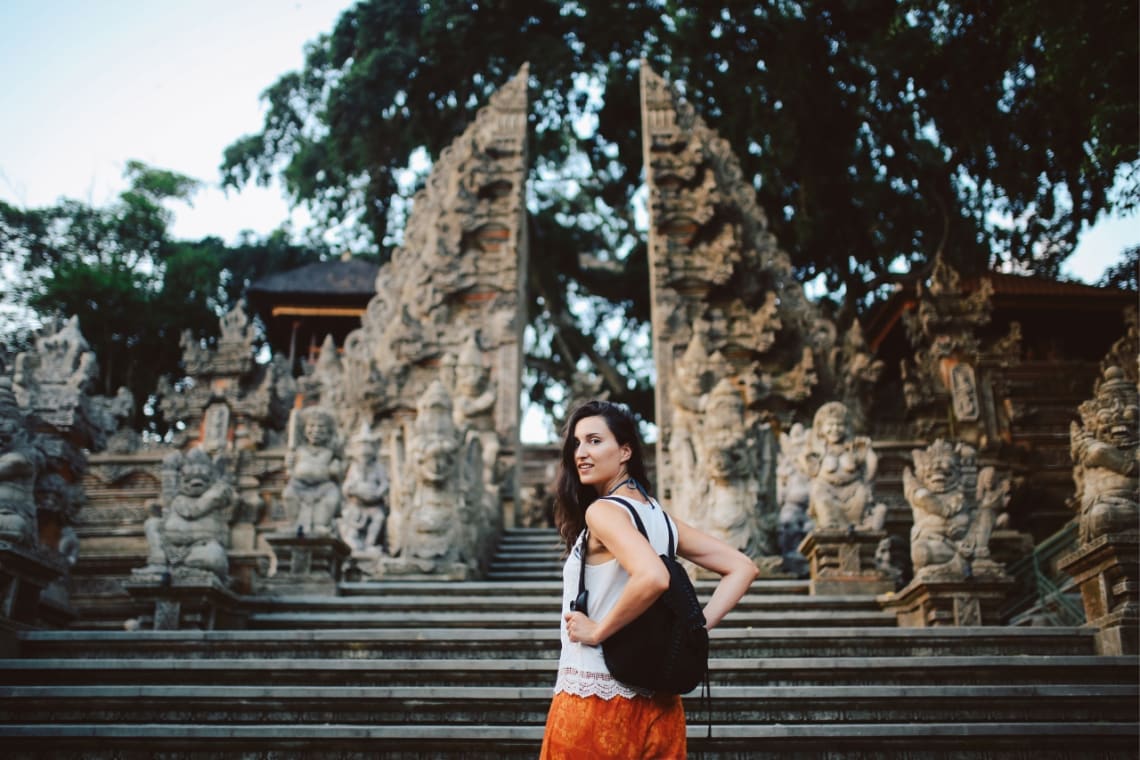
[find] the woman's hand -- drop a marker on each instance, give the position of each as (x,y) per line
(581,629)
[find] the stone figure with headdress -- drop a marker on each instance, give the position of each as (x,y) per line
(439,526)
(793,489)
(312,497)
(366,488)
(956,509)
(191,530)
(841,466)
(19,463)
(1107,456)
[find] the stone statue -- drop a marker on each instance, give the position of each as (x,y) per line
(474,404)
(841,466)
(19,463)
(190,531)
(438,525)
(955,510)
(366,487)
(734,463)
(793,488)
(312,497)
(1107,456)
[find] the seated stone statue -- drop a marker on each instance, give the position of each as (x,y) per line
(190,531)
(793,489)
(19,462)
(312,494)
(1107,456)
(954,516)
(841,466)
(366,486)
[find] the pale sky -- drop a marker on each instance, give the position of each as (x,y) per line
(90,85)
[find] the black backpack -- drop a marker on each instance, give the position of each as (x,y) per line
(666,648)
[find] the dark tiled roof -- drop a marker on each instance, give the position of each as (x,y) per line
(354,277)
(1013,284)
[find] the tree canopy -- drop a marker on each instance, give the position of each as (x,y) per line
(133,287)
(877,134)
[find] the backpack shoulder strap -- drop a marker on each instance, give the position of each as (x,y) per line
(641,526)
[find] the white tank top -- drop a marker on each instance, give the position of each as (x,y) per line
(581,668)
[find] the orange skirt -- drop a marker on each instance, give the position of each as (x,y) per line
(592,728)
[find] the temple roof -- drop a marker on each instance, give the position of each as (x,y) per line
(349,278)
(1010,291)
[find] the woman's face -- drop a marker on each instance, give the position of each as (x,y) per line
(598,458)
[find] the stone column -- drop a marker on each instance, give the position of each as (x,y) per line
(1107,570)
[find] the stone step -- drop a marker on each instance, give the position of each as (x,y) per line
(994,741)
(400,705)
(548,605)
(367,644)
(781,671)
(304,619)
(550,588)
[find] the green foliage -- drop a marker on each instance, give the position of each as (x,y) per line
(133,287)
(877,134)
(1125,274)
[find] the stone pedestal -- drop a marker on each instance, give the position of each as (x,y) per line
(183,601)
(926,603)
(24,573)
(247,569)
(843,563)
(1107,570)
(412,569)
(310,564)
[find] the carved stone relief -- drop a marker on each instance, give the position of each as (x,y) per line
(724,307)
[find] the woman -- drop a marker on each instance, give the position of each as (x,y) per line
(594,716)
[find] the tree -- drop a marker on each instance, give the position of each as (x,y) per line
(877,134)
(133,287)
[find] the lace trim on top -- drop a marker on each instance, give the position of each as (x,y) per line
(585,684)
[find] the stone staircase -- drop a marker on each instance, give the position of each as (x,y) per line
(464,670)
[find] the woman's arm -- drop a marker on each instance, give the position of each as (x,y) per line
(648,576)
(737,571)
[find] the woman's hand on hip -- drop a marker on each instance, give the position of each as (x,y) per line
(581,629)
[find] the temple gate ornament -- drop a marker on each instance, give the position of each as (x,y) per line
(461,268)
(229,402)
(53,385)
(941,380)
(956,508)
(724,306)
(1106,563)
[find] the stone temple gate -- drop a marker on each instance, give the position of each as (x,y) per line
(399,457)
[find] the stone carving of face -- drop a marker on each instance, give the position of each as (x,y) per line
(318,429)
(1112,415)
(470,378)
(938,467)
(831,423)
(9,426)
(436,459)
(196,477)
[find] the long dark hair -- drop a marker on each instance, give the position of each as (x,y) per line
(571,497)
